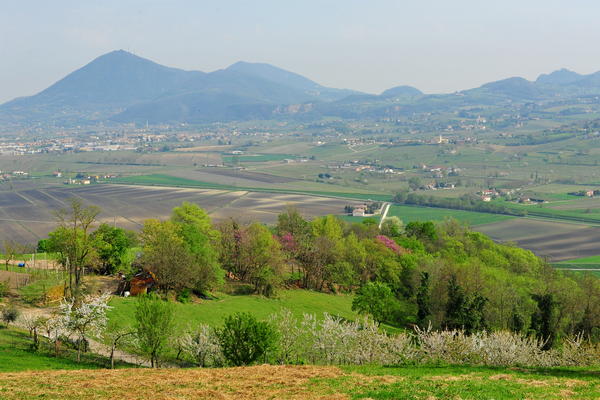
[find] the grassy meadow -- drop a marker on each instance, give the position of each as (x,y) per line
(16,355)
(213,312)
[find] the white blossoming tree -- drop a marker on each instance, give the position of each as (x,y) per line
(85,317)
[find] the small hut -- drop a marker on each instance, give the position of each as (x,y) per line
(141,283)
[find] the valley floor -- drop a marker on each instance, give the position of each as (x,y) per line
(305,382)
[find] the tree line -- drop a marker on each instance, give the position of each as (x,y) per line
(465,202)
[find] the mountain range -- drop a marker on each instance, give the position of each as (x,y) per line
(122,87)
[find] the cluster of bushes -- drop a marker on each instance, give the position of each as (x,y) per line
(466,202)
(332,341)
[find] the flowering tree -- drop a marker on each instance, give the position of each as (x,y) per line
(84,317)
(203,346)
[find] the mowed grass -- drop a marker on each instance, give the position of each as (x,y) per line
(306,382)
(416,213)
(213,312)
(16,355)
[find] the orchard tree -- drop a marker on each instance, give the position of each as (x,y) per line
(85,317)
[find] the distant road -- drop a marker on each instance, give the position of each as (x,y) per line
(384,215)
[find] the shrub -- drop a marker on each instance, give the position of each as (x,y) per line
(3,289)
(184,296)
(244,340)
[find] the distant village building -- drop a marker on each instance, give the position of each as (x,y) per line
(359,211)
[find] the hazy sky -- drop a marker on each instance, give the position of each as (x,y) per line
(368,45)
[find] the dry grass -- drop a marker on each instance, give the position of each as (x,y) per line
(259,382)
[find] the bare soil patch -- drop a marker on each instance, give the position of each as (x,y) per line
(555,240)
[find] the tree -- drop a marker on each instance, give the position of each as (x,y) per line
(516,322)
(166,255)
(245,340)
(84,317)
(414,183)
(543,320)
(392,227)
(113,336)
(9,314)
(202,344)
(423,299)
(196,230)
(463,311)
(375,299)
(424,231)
(252,254)
(291,222)
(111,244)
(154,325)
(11,250)
(73,242)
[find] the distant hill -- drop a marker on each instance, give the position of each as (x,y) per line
(401,91)
(560,77)
(122,87)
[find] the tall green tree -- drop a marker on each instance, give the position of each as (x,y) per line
(154,324)
(111,245)
(423,300)
(543,319)
(201,239)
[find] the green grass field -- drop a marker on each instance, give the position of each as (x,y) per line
(457,382)
(416,213)
(213,312)
(16,355)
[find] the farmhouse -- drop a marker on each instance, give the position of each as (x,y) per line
(359,211)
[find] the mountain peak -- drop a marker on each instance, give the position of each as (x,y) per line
(562,76)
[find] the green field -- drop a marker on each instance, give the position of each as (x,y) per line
(457,382)
(416,213)
(213,312)
(16,355)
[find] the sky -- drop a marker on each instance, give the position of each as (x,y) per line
(435,45)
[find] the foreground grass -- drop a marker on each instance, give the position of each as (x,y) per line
(305,382)
(213,312)
(16,355)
